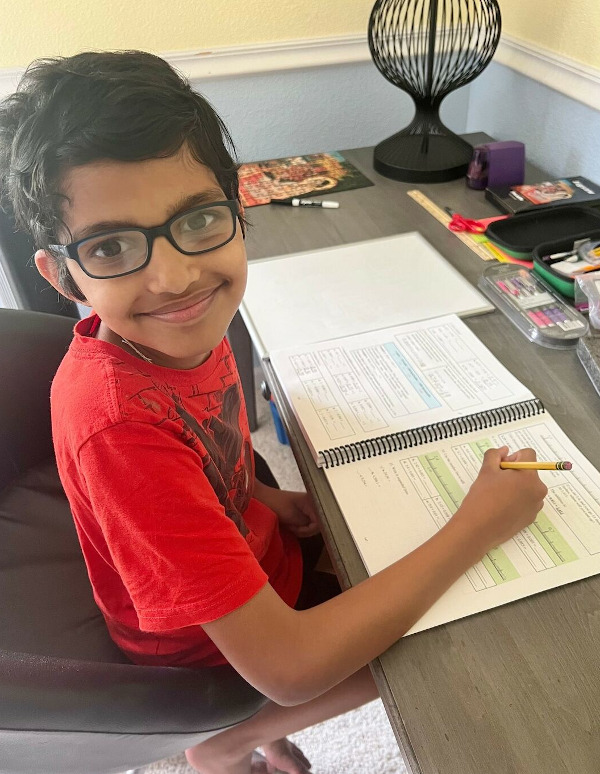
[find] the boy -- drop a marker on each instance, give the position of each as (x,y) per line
(121,174)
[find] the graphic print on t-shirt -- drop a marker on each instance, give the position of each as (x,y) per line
(213,430)
(227,459)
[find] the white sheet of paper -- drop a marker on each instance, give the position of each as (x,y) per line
(313,296)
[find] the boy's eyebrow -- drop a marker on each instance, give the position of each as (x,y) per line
(183,204)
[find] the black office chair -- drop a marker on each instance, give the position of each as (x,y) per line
(70,702)
(30,289)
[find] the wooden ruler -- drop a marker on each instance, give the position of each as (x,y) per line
(442,216)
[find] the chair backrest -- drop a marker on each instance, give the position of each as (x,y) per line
(16,262)
(71,702)
(46,603)
(31,348)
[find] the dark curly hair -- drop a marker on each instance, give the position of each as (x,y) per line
(120,105)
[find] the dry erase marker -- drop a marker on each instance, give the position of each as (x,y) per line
(307,203)
(560,465)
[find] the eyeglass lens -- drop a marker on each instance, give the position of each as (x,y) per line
(120,252)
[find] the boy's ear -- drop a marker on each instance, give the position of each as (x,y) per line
(47,266)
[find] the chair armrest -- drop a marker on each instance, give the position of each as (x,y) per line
(41,693)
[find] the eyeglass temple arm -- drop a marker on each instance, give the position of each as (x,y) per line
(60,249)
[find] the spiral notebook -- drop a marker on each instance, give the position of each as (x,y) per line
(400,418)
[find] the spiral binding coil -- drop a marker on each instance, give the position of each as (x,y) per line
(438,431)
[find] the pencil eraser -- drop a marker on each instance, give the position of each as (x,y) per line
(567,465)
(330,205)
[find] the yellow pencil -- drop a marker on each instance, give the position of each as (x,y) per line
(536,465)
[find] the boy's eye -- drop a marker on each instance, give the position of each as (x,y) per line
(109,248)
(114,251)
(197,221)
(205,229)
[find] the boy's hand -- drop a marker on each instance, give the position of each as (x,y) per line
(498,506)
(295,510)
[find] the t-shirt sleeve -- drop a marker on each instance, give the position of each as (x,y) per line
(182,560)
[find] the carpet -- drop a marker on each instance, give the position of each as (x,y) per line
(359,742)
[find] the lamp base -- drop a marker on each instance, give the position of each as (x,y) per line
(422,158)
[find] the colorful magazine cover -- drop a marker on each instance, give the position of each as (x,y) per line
(315,173)
(547,192)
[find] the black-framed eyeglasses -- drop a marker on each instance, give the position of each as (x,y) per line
(123,251)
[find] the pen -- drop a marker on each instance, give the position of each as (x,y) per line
(536,465)
(307,203)
(510,290)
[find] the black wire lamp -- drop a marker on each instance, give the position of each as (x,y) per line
(429,48)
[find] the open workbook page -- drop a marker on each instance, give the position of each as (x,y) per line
(369,385)
(395,502)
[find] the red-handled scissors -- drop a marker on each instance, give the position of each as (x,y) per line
(459,223)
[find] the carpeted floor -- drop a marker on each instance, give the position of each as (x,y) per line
(359,742)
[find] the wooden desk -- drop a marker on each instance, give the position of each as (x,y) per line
(515,690)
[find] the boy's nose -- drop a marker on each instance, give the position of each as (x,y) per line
(170,271)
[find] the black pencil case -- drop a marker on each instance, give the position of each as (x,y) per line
(519,235)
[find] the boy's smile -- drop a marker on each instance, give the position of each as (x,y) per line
(178,307)
(185,310)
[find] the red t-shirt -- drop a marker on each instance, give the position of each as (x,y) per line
(158,468)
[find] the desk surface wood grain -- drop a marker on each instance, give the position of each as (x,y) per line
(515,690)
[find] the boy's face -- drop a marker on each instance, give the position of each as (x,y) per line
(178,307)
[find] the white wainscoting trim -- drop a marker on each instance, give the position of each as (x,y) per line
(270,57)
(576,80)
(234,61)
(9,80)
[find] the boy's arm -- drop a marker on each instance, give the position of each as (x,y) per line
(292,656)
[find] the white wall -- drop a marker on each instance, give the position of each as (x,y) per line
(316,109)
(561,134)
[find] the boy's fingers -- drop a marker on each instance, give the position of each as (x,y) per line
(493,457)
(525,455)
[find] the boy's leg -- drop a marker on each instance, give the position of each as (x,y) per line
(230,751)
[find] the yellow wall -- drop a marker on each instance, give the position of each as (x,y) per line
(568,27)
(32,28)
